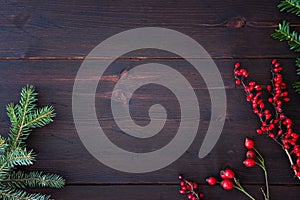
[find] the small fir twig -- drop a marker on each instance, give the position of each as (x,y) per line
(284,33)
(24,117)
(291,6)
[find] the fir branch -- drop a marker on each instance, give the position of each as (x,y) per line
(15,194)
(3,145)
(292,6)
(40,117)
(283,33)
(297,87)
(15,158)
(11,112)
(22,179)
(24,116)
(298,65)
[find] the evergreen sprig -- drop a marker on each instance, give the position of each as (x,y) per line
(297,84)
(24,117)
(284,33)
(292,6)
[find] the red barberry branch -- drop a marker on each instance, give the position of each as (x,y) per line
(190,189)
(228,179)
(274,123)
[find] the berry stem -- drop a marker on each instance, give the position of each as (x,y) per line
(239,187)
(192,191)
(274,123)
(291,161)
(263,167)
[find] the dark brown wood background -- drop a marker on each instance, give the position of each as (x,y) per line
(44,43)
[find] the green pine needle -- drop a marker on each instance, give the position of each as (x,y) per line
(291,6)
(298,65)
(22,179)
(24,117)
(17,194)
(283,33)
(297,87)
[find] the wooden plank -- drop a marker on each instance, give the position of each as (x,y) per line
(154,192)
(60,150)
(60,29)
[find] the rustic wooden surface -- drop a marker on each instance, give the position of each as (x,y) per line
(45,43)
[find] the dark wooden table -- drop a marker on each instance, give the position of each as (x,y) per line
(44,44)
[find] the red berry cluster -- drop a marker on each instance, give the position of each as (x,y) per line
(190,189)
(250,154)
(274,122)
(227,177)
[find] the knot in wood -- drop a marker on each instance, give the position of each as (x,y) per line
(236,22)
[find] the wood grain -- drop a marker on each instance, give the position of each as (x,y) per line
(58,145)
(165,192)
(60,29)
(45,43)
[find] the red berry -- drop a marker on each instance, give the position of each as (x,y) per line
(270,100)
(259,131)
(237,65)
(274,61)
(229,174)
(211,180)
(195,185)
(182,191)
(295,135)
(288,121)
(182,183)
(294,167)
(269,88)
(222,175)
(258,87)
(249,144)
(249,162)
(286,99)
(227,184)
(250,154)
(201,195)
(238,82)
(252,83)
(298,161)
(190,196)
